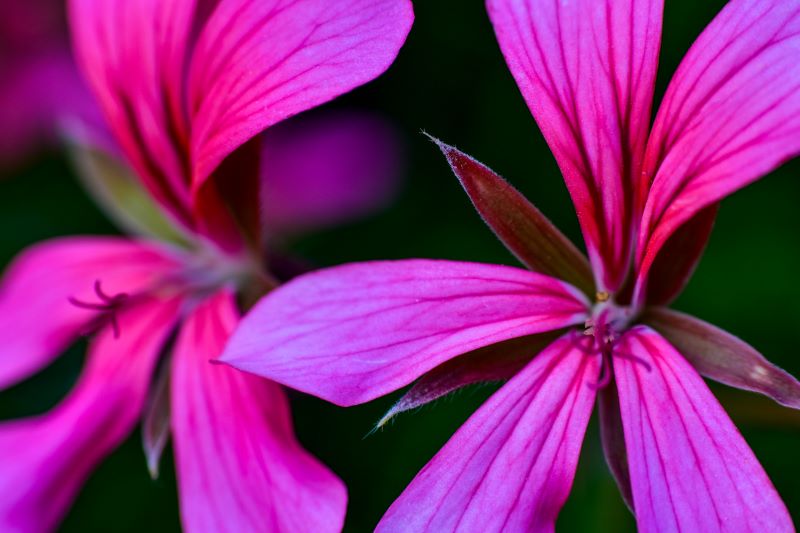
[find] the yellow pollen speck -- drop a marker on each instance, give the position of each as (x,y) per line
(602,296)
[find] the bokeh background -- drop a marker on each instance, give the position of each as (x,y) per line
(451,81)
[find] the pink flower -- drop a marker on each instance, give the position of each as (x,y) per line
(35,58)
(646,199)
(190,142)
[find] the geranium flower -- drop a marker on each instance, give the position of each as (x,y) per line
(185,91)
(34,58)
(646,199)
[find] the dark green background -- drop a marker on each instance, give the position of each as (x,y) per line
(451,81)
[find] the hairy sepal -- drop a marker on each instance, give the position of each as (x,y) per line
(519,225)
(498,362)
(718,355)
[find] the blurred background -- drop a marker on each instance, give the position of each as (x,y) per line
(451,81)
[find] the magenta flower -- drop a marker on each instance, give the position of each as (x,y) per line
(34,58)
(646,199)
(248,65)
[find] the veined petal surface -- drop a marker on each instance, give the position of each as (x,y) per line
(133,55)
(239,465)
(44,460)
(690,468)
(258,62)
(510,466)
(352,333)
(587,70)
(730,115)
(39,321)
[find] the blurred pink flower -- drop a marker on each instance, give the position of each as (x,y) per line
(190,141)
(41,90)
(320,169)
(646,200)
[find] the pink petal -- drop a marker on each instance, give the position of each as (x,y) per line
(730,115)
(587,69)
(510,466)
(239,465)
(327,168)
(44,460)
(39,321)
(133,56)
(690,468)
(258,62)
(352,333)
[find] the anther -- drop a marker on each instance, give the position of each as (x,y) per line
(602,296)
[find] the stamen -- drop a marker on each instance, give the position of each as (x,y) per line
(635,358)
(605,374)
(98,289)
(107,309)
(578,342)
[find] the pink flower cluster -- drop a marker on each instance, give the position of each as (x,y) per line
(186,87)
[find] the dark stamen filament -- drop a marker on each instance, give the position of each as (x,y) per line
(108,308)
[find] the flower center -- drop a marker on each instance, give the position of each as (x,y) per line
(601,334)
(202,273)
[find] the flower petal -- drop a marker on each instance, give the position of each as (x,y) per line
(522,228)
(510,466)
(690,468)
(587,70)
(239,465)
(133,55)
(720,356)
(44,460)
(352,333)
(730,115)
(258,62)
(39,320)
(327,168)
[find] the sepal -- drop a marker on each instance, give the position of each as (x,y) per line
(519,225)
(497,362)
(718,355)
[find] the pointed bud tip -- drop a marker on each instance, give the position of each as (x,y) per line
(152,467)
(447,150)
(390,414)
